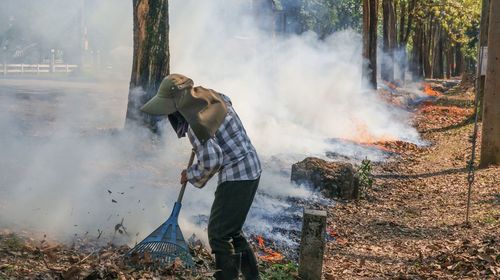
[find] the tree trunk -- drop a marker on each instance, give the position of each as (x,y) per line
(490,144)
(402,21)
(264,16)
(401,61)
(449,59)
(416,66)
(427,39)
(459,60)
(151,62)
(483,42)
(389,36)
(407,11)
(446,66)
(438,61)
(370,41)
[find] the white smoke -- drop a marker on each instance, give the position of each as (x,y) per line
(293,94)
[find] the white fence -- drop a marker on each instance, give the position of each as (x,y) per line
(6,69)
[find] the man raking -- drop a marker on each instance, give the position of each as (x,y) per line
(222,146)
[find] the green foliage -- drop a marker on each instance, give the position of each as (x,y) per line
(459,18)
(327,16)
(365,176)
(287,271)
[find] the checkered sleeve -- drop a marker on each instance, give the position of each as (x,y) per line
(210,158)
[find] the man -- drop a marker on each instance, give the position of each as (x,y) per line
(222,146)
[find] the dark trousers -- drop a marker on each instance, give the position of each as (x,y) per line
(229,212)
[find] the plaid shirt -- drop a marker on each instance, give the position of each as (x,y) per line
(229,152)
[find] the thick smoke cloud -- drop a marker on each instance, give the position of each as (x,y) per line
(299,90)
(59,157)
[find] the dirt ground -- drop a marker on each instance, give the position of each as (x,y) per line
(411,225)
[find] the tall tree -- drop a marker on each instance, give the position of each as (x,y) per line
(406,18)
(490,144)
(370,20)
(449,35)
(438,58)
(151,62)
(483,43)
(389,36)
(416,66)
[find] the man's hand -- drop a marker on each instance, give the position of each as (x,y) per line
(184,178)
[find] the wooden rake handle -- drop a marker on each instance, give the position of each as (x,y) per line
(183,188)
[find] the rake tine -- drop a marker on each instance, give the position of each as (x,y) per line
(167,243)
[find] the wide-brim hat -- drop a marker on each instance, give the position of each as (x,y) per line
(204,109)
(168,95)
(159,106)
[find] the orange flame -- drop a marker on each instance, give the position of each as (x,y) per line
(391,85)
(365,137)
(272,256)
(429,91)
(260,240)
(269,254)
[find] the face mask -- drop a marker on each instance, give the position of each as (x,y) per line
(179,124)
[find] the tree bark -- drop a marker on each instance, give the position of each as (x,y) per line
(449,58)
(402,21)
(483,42)
(389,37)
(370,41)
(438,58)
(427,42)
(459,58)
(151,61)
(416,66)
(490,144)
(407,15)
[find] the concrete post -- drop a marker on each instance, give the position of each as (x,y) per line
(92,59)
(4,49)
(52,60)
(98,59)
(312,244)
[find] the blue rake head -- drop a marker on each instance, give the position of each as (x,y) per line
(164,245)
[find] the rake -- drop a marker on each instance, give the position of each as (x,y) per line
(166,244)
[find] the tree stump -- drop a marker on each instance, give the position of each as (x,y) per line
(333,179)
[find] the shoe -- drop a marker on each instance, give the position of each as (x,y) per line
(228,266)
(249,265)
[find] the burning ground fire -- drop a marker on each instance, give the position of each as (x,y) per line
(377,147)
(366,140)
(267,254)
(427,89)
(364,136)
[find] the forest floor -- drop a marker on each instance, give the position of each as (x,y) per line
(411,224)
